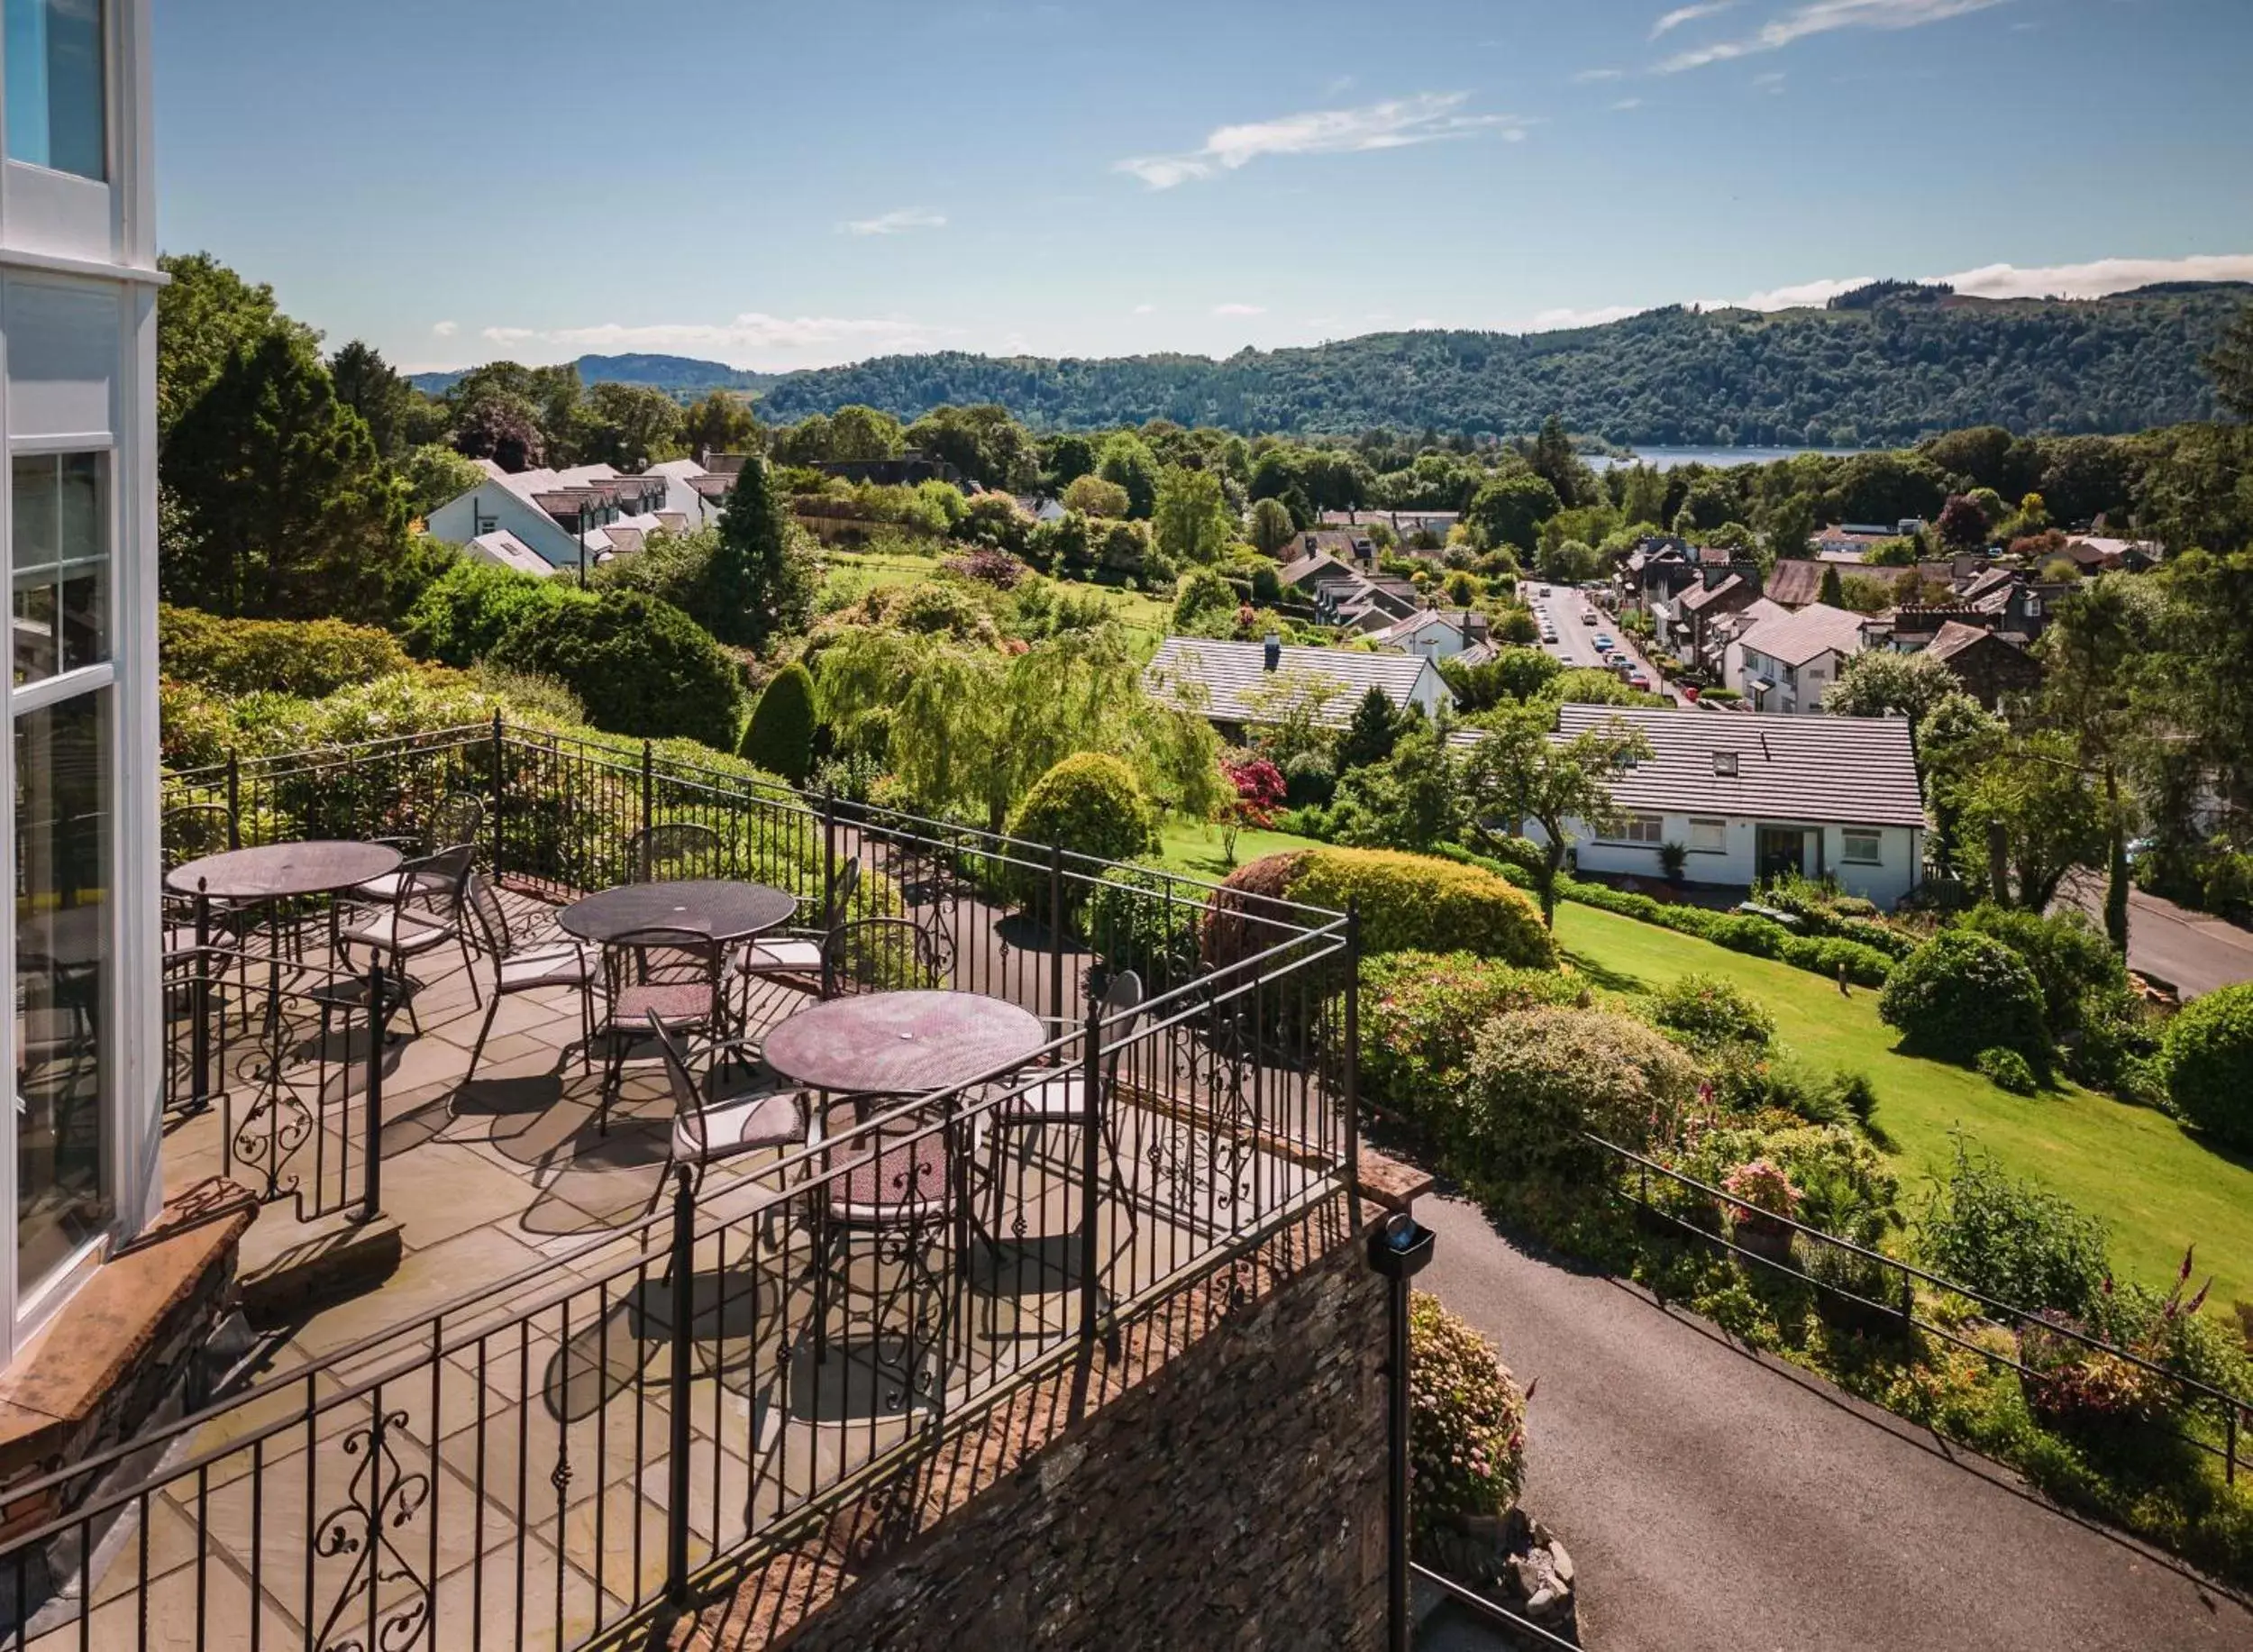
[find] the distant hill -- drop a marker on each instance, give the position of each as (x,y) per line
(1890,364)
(679,375)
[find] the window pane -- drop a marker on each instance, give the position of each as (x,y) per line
(64,949)
(55,85)
(60,552)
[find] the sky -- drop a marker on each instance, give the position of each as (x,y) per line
(783,184)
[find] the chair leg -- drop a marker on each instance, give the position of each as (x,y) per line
(483,1031)
(469,968)
(613,1075)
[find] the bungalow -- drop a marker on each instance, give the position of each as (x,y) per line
(1783,665)
(1227,680)
(1748,799)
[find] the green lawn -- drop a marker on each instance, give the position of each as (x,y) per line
(1188,847)
(2159,1188)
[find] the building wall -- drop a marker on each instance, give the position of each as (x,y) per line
(489,505)
(1901,856)
(77,387)
(1798,690)
(1236,1499)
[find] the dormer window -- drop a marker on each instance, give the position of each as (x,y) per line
(1725,763)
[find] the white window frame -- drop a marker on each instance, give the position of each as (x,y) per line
(1720,829)
(1636,821)
(1873,835)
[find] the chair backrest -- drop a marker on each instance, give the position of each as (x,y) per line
(459,818)
(193,830)
(434,884)
(677,849)
(887,953)
(841,893)
(491,917)
(687,1100)
(1122,997)
(665,956)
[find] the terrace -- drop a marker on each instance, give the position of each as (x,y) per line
(595,1384)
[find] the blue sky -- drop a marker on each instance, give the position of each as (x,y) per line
(791,185)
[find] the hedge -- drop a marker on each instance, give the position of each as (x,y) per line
(2209,1057)
(1416,902)
(780,736)
(311,657)
(640,666)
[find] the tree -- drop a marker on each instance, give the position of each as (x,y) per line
(1189,517)
(1270,527)
(292,514)
(984,443)
(1509,511)
(1064,459)
(1411,800)
(630,426)
(1555,463)
(1877,682)
(203,316)
(719,423)
(780,736)
(1963,525)
(435,475)
(1513,674)
(502,426)
(1201,598)
(857,433)
(1291,709)
(1519,772)
(2231,366)
(640,666)
(1370,734)
(1259,790)
(762,576)
(1091,496)
(1127,460)
(384,402)
(1832,592)
(2041,817)
(1790,525)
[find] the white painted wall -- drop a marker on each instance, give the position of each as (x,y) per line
(489,505)
(1901,856)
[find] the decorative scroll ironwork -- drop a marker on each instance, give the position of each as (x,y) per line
(384,1496)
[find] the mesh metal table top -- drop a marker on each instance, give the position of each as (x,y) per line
(276,872)
(902,1042)
(716,908)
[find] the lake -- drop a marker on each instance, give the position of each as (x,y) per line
(1675,458)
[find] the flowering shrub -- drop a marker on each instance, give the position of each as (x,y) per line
(1762,1187)
(1538,1078)
(2076,1389)
(1467,1423)
(998,569)
(1260,792)
(1421,1012)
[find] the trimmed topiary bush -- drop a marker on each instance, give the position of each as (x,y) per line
(1960,993)
(1539,1078)
(2068,953)
(780,736)
(1088,804)
(2007,1070)
(1407,903)
(2208,1056)
(1467,1432)
(639,666)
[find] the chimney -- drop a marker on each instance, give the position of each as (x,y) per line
(1271,652)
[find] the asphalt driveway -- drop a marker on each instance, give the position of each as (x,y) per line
(1717,1501)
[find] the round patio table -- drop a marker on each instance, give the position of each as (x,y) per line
(720,909)
(899,1043)
(279,871)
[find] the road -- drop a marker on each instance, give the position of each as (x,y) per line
(2191,950)
(1719,1501)
(1575,642)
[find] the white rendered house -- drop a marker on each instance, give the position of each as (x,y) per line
(78,286)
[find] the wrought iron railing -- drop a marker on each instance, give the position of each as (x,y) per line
(569,1454)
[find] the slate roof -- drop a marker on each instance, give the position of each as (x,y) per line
(1795,581)
(1228,668)
(1853,771)
(503,547)
(1816,629)
(1693,601)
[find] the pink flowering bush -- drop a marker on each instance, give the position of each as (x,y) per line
(998,569)
(1420,1014)
(1466,1425)
(1259,789)
(1761,1186)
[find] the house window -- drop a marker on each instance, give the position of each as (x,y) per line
(1641,829)
(56,115)
(61,556)
(1708,836)
(1864,848)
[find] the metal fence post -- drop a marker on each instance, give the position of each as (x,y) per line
(500,797)
(1090,1144)
(234,801)
(1056,929)
(2230,1446)
(1353,1061)
(372,1108)
(199,1007)
(683,1271)
(831,918)
(648,784)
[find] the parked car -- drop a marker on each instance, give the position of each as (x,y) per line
(1639,680)
(1690,693)
(1587,617)
(1541,591)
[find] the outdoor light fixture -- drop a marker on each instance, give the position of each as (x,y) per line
(1399,1247)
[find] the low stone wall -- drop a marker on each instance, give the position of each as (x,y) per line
(1217,1481)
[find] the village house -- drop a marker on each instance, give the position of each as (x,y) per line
(1748,799)
(540,521)
(1437,633)
(1783,665)
(1233,683)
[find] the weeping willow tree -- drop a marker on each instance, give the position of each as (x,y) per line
(971,727)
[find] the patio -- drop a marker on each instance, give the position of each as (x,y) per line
(530,1435)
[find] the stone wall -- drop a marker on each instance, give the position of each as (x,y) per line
(1234,1497)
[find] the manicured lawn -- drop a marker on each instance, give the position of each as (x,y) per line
(1187,847)
(2159,1188)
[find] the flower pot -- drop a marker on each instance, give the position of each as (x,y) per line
(1762,1234)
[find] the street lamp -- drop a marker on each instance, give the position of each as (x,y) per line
(1399,1248)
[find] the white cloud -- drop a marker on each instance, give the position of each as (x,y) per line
(1557,321)
(1682,15)
(1790,298)
(1772,81)
(1629,103)
(897,222)
(1428,117)
(1825,17)
(445,329)
(750,340)
(1239,309)
(1145,309)
(2092,281)
(1587,76)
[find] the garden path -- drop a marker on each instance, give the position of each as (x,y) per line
(1717,1499)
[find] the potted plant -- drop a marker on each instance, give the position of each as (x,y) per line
(1763,1201)
(1672,857)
